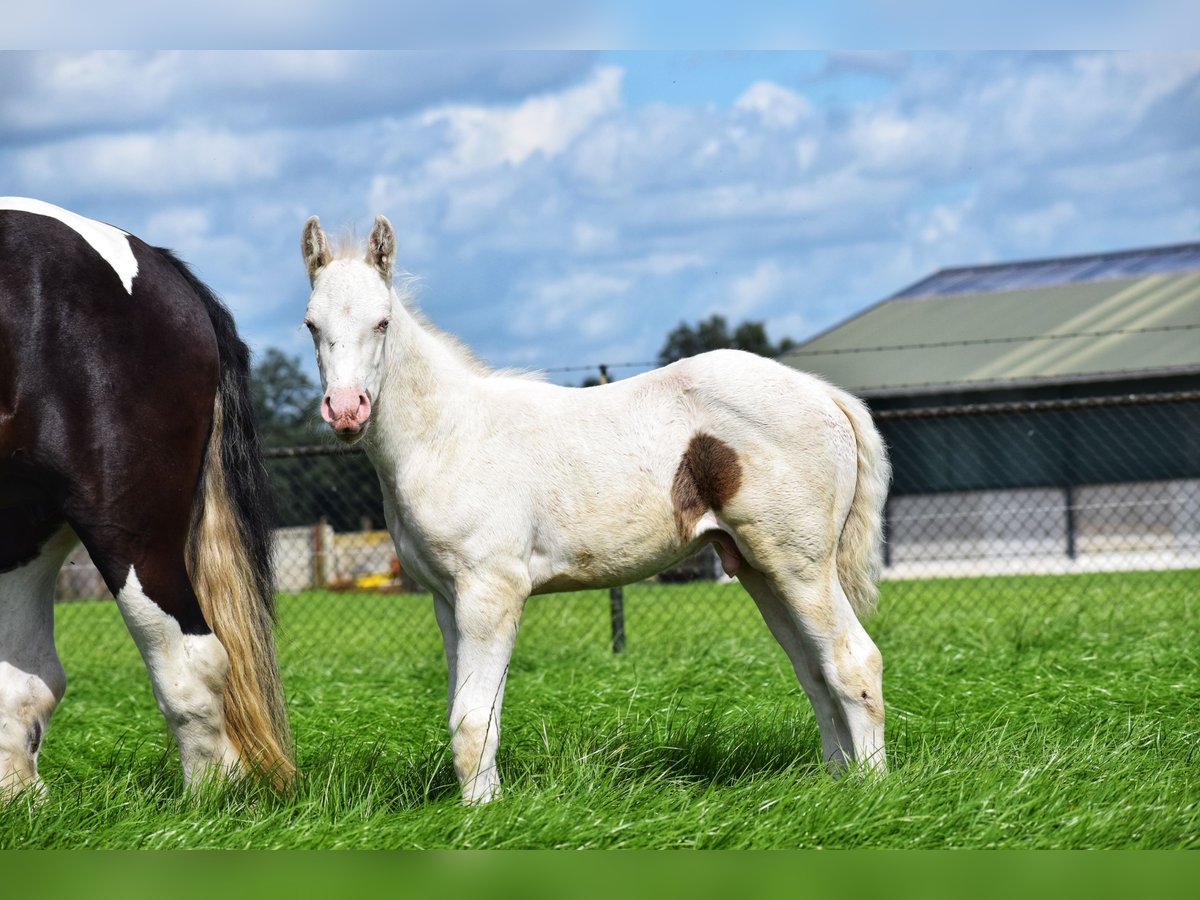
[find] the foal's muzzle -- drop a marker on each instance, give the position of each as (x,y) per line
(347,411)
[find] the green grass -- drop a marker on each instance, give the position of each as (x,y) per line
(1023,712)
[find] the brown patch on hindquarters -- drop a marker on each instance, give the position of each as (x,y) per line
(708,476)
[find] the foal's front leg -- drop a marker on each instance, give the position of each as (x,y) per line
(486,613)
(443,611)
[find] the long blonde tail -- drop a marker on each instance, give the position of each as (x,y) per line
(223,569)
(229,554)
(860,548)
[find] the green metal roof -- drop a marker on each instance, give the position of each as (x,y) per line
(1068,332)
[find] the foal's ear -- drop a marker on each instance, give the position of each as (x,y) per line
(314,247)
(381,248)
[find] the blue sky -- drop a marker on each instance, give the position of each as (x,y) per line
(569,208)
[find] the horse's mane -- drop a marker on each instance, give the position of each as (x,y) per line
(349,246)
(405,289)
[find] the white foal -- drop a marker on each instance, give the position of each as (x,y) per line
(499,486)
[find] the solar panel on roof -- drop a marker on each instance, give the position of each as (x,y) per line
(1047,272)
(1093,270)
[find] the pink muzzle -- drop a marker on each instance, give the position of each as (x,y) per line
(346,409)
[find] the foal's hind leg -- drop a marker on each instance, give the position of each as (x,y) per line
(837,663)
(32,679)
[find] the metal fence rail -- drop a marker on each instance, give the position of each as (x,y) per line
(981,494)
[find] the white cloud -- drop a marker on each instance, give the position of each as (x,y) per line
(176,162)
(888,140)
(51,93)
(748,293)
(660,265)
(486,137)
(794,325)
(477,202)
(942,223)
(112,89)
(578,300)
(806,152)
(776,106)
(1051,107)
(590,238)
(179,226)
(1144,175)
(1040,227)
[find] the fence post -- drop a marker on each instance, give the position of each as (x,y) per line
(616,596)
(616,608)
(319,581)
(887,532)
(1069,499)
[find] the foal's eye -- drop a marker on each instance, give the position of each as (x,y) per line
(383,325)
(309,325)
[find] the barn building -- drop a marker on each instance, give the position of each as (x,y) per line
(1042,416)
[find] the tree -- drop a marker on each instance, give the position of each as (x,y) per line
(713,334)
(285,400)
(342,489)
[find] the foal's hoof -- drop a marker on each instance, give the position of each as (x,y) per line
(16,789)
(484,794)
(874,766)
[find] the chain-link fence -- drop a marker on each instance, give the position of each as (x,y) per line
(984,496)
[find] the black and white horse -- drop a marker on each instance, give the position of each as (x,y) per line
(125,423)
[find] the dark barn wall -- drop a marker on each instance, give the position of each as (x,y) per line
(1047,448)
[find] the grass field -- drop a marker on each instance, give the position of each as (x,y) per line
(1023,712)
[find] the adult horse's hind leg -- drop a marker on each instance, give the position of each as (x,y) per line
(188,672)
(187,664)
(32,679)
(835,660)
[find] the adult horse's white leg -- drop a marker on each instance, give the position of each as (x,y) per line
(32,679)
(834,658)
(486,614)
(187,672)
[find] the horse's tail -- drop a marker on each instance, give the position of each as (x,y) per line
(860,548)
(229,557)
